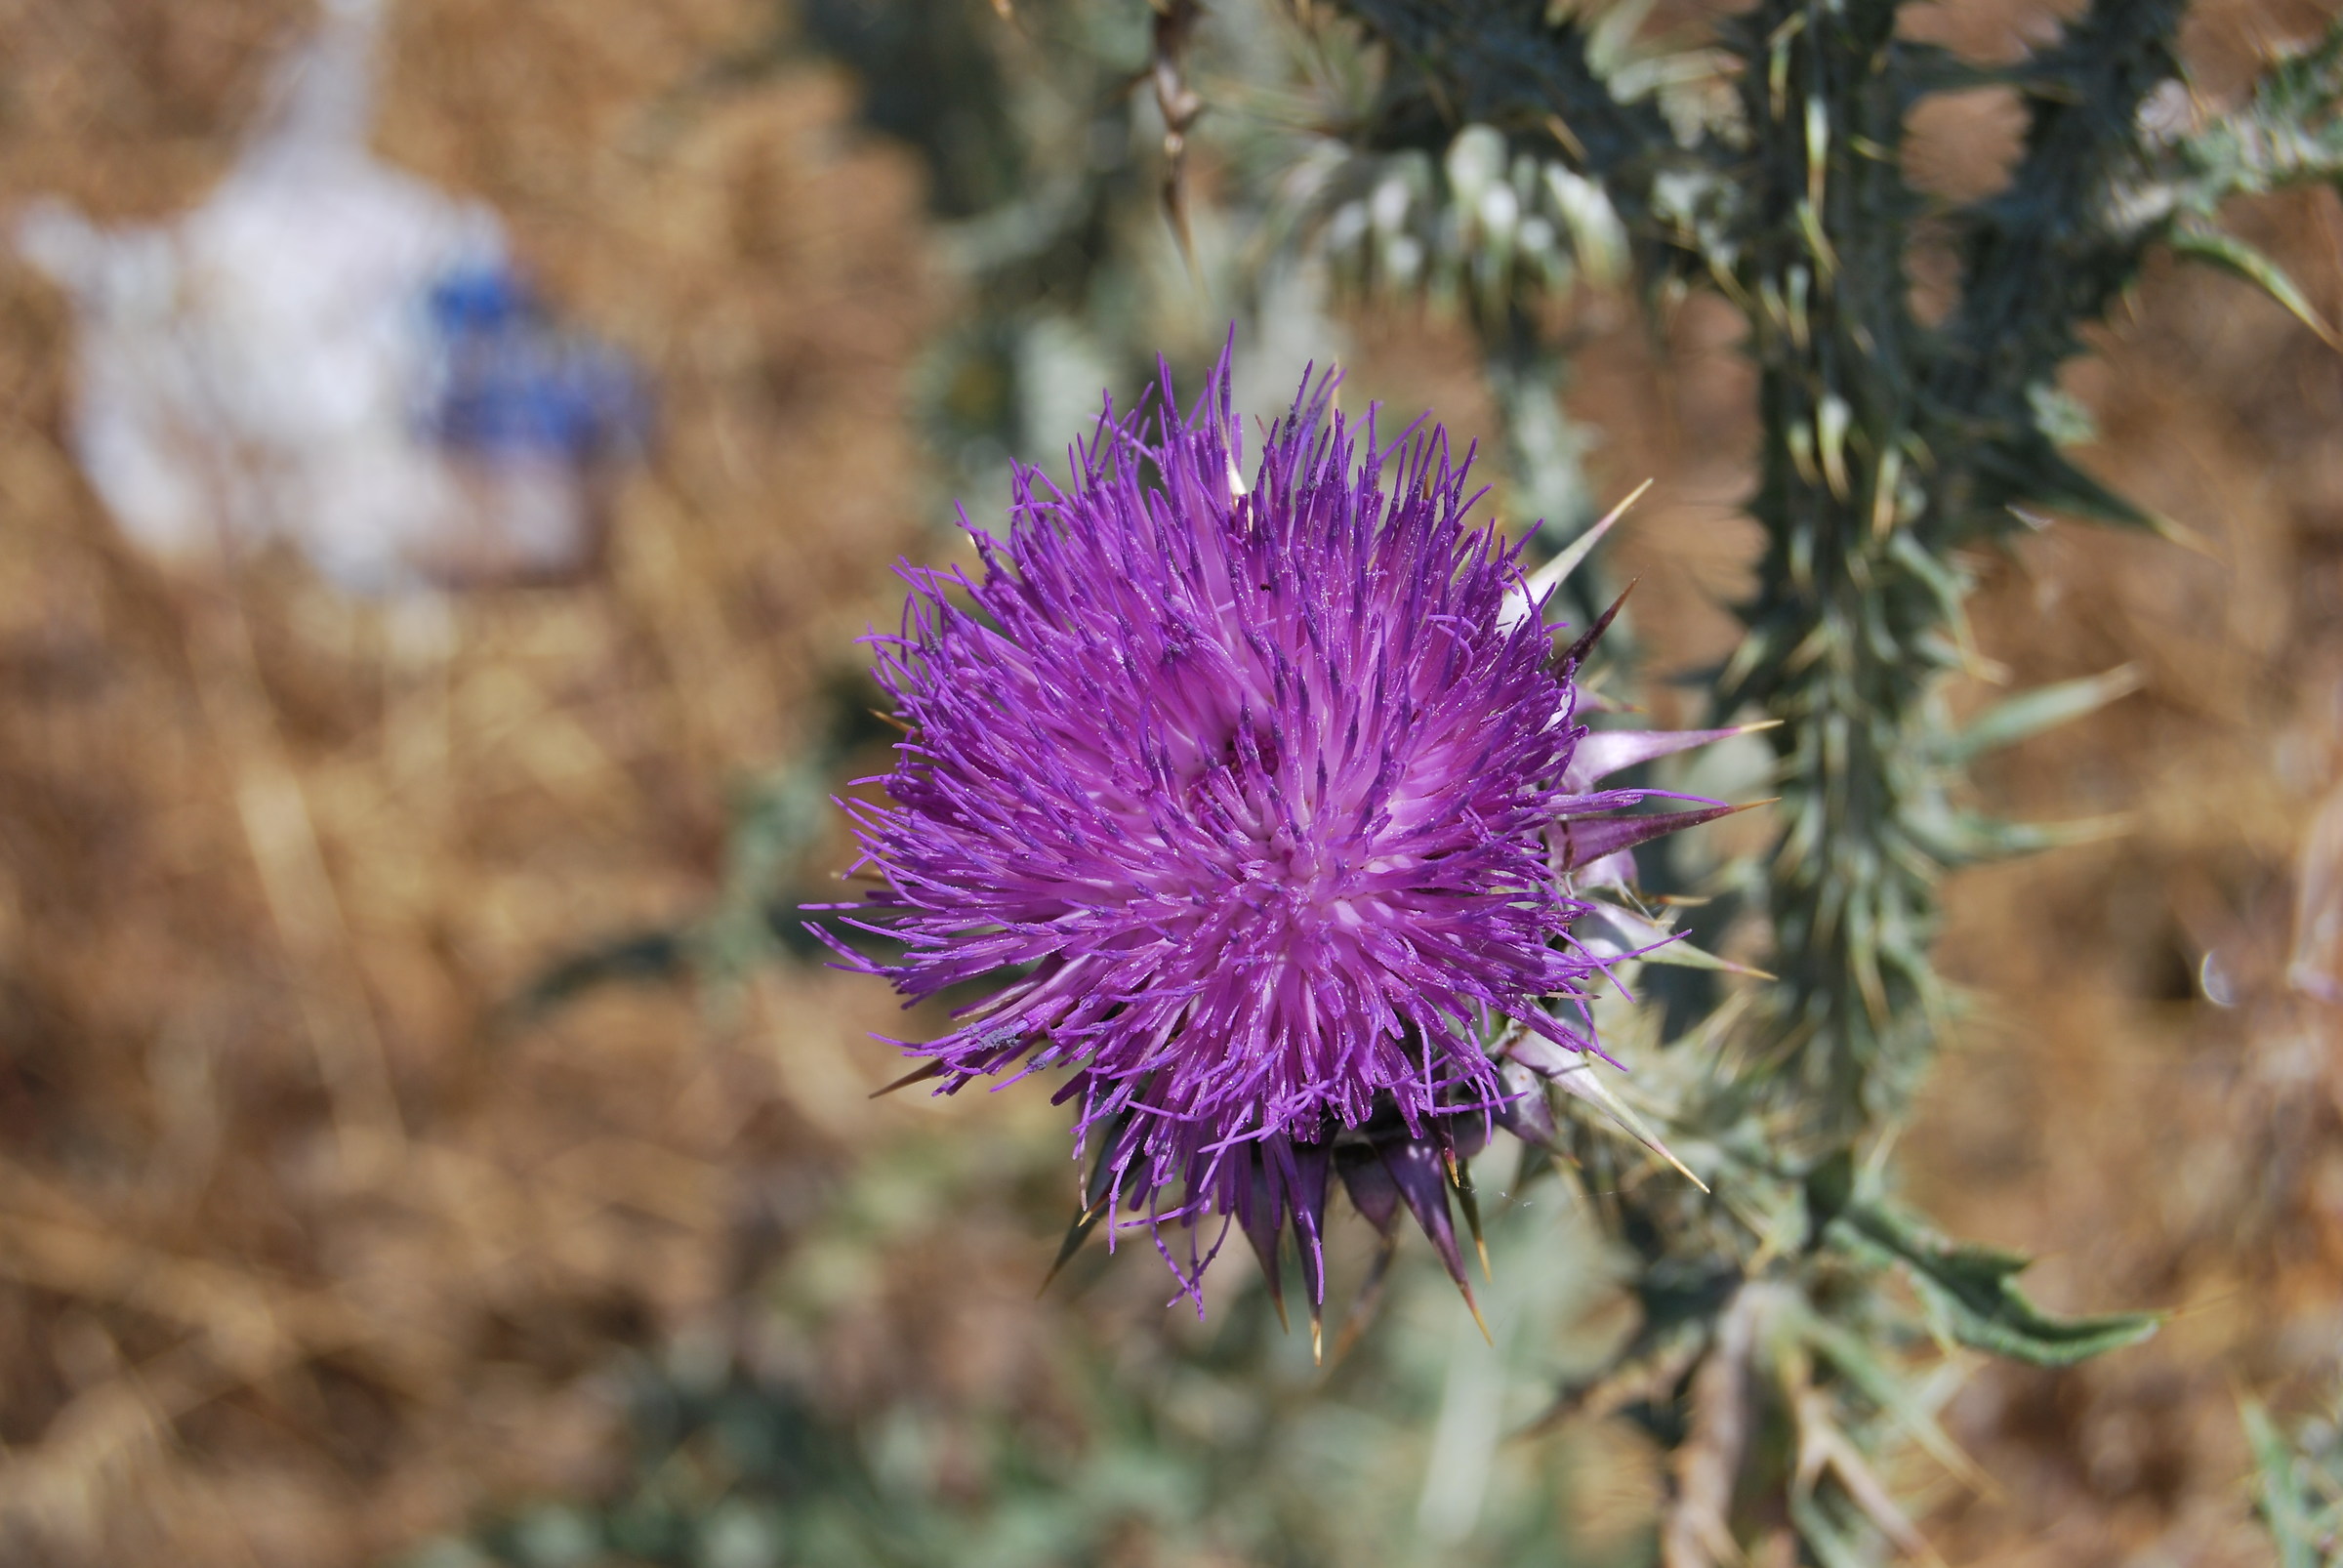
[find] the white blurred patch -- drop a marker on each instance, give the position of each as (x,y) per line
(282,363)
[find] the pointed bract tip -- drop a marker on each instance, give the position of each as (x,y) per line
(1555,572)
(1578,651)
(2175,532)
(1755,726)
(918,1075)
(1085,1220)
(1584,841)
(1632,496)
(1478,1321)
(1460,1177)
(1317,1336)
(1600,753)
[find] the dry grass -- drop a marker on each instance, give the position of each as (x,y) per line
(2155,1149)
(303,1255)
(300,1255)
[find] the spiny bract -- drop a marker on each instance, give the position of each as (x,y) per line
(1262,805)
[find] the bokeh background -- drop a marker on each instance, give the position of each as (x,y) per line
(418,1146)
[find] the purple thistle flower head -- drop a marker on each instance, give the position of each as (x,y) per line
(1258,808)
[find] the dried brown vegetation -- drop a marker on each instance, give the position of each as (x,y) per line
(307,1249)
(302,1251)
(2152,1147)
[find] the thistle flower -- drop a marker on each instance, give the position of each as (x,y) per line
(1260,806)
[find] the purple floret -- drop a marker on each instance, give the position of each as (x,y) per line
(1244,798)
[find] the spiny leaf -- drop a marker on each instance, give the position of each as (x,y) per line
(1822,1537)
(1498,62)
(1974,1290)
(1966,839)
(1597,237)
(1649,1370)
(2026,467)
(2030,713)
(2234,255)
(1823,1446)
(1883,1387)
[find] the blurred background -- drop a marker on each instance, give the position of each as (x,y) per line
(425,1137)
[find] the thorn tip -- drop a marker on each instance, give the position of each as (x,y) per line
(919,1074)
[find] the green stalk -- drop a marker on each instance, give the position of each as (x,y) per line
(1846,632)
(1888,446)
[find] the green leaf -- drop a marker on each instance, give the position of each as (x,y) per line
(2061,417)
(1968,838)
(1885,1387)
(2026,467)
(2030,713)
(1832,1546)
(2234,255)
(2284,1508)
(1973,1290)
(1683,955)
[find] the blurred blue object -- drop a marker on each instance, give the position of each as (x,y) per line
(507,382)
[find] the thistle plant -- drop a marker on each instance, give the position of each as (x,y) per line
(1765,162)
(1268,983)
